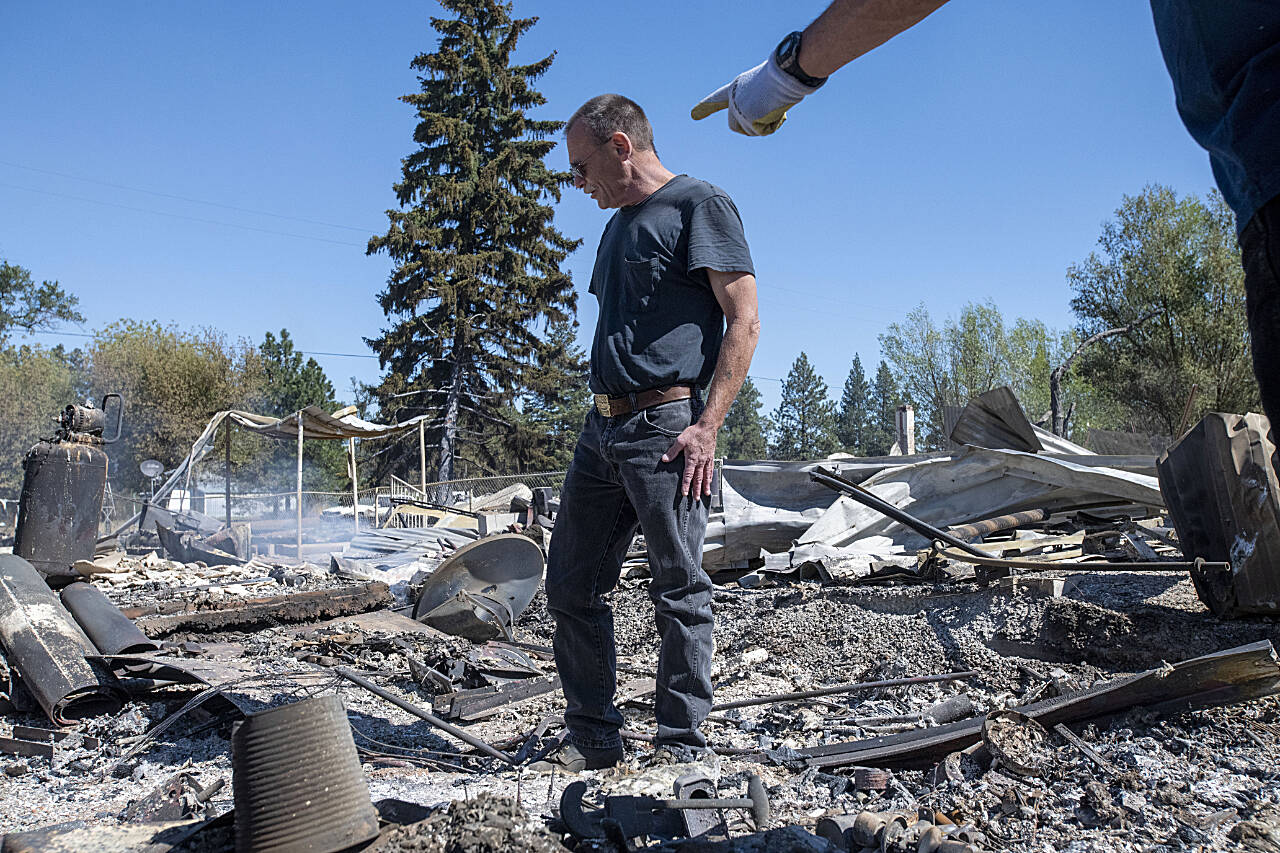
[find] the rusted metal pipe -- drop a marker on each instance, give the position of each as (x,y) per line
(843,688)
(987,526)
(464,736)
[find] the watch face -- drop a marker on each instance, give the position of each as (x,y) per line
(787,49)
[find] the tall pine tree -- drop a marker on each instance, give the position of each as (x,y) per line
(743,434)
(477,257)
(882,417)
(804,423)
(553,404)
(290,384)
(851,421)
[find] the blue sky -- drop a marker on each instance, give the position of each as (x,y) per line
(224,164)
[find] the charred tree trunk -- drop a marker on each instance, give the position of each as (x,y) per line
(1058,418)
(452,405)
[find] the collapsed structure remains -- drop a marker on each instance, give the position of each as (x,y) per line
(1016,644)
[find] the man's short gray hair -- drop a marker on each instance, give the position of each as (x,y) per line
(605,115)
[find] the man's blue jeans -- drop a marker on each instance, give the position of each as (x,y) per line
(1260,251)
(617,480)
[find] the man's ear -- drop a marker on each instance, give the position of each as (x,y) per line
(622,145)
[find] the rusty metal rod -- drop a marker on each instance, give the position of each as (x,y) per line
(1081,565)
(988,526)
(843,688)
(461,735)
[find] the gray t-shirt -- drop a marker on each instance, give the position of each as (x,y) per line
(660,323)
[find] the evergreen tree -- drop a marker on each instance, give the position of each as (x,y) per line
(743,434)
(852,421)
(882,415)
(288,385)
(553,404)
(477,258)
(804,423)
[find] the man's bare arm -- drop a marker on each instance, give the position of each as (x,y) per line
(736,293)
(850,28)
(757,100)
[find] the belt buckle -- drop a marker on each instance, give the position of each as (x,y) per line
(602,405)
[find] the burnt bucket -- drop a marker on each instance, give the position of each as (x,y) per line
(297,781)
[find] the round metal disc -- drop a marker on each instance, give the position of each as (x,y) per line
(480,583)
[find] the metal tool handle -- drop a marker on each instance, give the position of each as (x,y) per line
(119,416)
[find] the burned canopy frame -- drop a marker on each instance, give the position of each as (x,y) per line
(311,422)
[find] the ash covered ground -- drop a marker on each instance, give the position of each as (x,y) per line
(1203,779)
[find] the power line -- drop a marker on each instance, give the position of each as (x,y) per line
(339,355)
(182,197)
(318,352)
(183,216)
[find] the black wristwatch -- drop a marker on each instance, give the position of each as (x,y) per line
(788,56)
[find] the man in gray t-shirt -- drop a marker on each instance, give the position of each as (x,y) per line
(677,295)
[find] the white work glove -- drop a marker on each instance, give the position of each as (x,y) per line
(757,100)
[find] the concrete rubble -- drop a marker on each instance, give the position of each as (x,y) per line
(1024,655)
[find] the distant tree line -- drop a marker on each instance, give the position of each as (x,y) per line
(1164,296)
(480,329)
(172,381)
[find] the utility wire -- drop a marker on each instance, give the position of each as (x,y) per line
(301,351)
(318,352)
(184,216)
(184,198)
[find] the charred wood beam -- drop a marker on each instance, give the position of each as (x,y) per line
(273,610)
(476,704)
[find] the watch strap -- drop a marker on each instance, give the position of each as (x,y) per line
(787,56)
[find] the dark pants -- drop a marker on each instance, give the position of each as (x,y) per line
(617,480)
(1260,251)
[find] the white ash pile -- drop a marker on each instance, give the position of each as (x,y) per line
(1048,679)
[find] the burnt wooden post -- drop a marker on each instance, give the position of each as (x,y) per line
(226,494)
(299,493)
(422,454)
(355,489)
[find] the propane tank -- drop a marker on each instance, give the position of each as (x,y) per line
(64,480)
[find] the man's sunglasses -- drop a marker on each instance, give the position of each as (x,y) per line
(576,169)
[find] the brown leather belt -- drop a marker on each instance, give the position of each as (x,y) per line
(611,407)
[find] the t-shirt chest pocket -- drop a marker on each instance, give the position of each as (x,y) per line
(640,282)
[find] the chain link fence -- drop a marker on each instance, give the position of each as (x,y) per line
(469,495)
(332,510)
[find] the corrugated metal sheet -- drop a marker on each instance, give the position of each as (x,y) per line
(995,420)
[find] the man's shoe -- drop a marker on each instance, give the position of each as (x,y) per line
(572,758)
(671,753)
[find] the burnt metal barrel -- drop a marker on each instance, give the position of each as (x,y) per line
(109,629)
(297,781)
(48,649)
(62,488)
(63,484)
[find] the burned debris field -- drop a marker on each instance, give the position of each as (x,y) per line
(1003,647)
